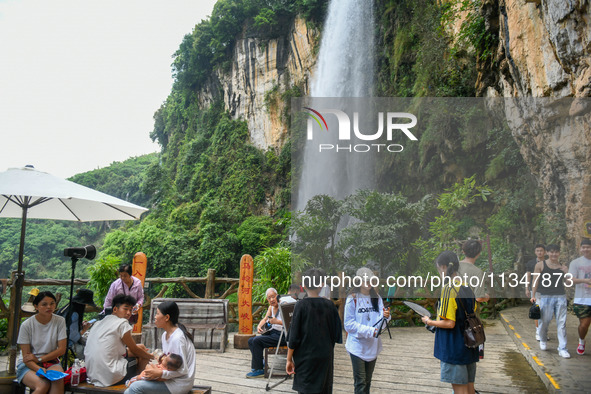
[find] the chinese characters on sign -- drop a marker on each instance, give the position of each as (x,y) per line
(245,295)
(140,264)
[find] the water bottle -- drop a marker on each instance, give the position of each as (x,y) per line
(75,373)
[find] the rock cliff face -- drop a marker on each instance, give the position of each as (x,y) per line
(544,51)
(262,70)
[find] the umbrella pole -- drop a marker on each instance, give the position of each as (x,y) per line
(18,284)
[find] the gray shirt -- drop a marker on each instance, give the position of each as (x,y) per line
(43,338)
(581,269)
(470,270)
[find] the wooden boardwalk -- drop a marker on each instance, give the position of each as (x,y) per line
(405,365)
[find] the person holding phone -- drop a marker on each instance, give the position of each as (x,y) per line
(128,285)
(365,315)
(78,327)
(270,329)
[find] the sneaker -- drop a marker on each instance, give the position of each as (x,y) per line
(543,345)
(537,336)
(256,373)
(564,354)
(581,349)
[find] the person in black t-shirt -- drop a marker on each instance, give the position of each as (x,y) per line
(315,328)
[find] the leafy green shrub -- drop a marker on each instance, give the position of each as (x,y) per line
(102,273)
(273,268)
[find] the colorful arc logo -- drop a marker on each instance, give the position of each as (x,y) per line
(316,119)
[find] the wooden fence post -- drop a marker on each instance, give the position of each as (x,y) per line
(210,284)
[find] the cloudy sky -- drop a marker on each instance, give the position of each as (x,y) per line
(80,80)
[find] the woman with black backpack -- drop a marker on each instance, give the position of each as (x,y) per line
(458,362)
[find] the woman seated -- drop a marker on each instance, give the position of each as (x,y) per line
(175,339)
(42,339)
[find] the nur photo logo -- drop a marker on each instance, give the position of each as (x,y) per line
(391,125)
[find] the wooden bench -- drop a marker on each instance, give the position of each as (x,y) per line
(205,319)
(89,388)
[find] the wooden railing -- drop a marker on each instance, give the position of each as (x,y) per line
(210,282)
(400,313)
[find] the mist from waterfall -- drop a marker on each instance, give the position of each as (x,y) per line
(345,68)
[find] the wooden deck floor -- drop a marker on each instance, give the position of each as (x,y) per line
(405,365)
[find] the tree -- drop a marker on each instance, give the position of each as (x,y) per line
(446,228)
(383,229)
(315,231)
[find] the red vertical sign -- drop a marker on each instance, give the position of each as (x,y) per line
(245,295)
(140,265)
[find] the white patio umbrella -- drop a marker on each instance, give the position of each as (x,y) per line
(28,193)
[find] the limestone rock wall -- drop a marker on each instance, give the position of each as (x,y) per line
(544,51)
(261,71)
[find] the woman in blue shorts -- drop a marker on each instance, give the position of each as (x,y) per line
(42,338)
(458,363)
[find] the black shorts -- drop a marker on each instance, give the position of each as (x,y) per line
(131,370)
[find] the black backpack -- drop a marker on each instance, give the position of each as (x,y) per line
(473,329)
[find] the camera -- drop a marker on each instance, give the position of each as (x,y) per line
(431,328)
(88,251)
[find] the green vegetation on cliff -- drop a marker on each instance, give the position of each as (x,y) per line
(215,196)
(210,44)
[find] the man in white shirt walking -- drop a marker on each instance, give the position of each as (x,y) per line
(580,269)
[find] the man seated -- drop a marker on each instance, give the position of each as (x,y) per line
(166,362)
(110,353)
(270,329)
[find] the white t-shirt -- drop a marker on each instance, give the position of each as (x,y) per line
(104,354)
(581,269)
(43,338)
(360,318)
(181,380)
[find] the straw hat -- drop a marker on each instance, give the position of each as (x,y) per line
(28,306)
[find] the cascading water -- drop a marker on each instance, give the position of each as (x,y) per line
(346,57)
(345,69)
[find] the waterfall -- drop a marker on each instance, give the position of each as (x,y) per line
(346,57)
(345,69)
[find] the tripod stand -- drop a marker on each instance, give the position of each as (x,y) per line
(69,316)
